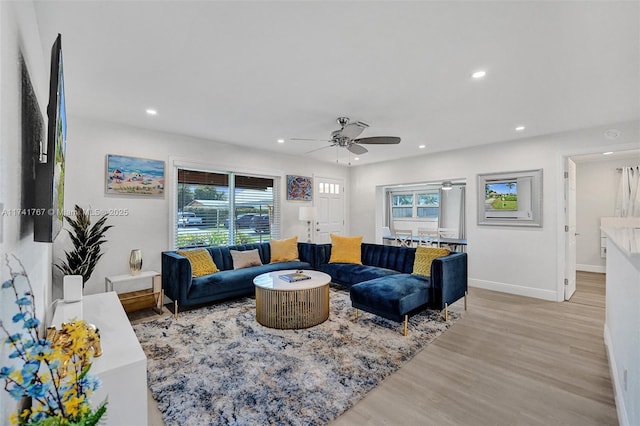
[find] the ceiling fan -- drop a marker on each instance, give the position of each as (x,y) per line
(345,137)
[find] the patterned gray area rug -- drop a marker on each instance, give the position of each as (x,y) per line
(216,365)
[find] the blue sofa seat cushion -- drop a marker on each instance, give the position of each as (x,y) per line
(393,296)
(236,281)
(350,273)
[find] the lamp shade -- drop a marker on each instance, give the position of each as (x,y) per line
(307,213)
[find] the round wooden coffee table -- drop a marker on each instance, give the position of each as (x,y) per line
(292,305)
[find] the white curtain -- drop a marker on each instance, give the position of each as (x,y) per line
(627,202)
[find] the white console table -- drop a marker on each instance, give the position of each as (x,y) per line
(122,368)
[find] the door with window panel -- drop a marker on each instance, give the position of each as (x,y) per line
(329,209)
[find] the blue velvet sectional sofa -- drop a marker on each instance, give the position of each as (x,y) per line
(384,284)
(185,290)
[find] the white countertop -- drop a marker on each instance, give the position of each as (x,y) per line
(627,239)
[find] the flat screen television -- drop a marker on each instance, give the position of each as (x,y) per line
(502,195)
(49,196)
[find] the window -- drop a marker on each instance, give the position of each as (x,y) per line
(225,209)
(428,204)
(424,204)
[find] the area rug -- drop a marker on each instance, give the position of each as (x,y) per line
(216,365)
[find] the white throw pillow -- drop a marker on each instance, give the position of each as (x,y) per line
(244,259)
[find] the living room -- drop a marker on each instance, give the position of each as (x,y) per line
(519,261)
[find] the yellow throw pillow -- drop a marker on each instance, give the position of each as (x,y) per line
(201,262)
(284,250)
(345,249)
(424,257)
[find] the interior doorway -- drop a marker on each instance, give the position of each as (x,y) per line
(594,187)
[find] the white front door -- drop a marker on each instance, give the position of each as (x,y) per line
(570,229)
(329,208)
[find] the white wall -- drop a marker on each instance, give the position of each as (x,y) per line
(596,189)
(148,224)
(18,33)
(517,260)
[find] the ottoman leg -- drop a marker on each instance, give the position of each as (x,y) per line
(446,312)
(356,313)
(406,320)
(175,309)
(465,300)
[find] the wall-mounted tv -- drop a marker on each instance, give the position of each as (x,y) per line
(49,196)
(501,195)
(510,198)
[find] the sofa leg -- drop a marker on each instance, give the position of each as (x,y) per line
(446,312)
(175,309)
(406,324)
(356,313)
(465,300)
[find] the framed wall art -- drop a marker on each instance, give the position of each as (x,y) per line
(510,198)
(134,176)
(299,188)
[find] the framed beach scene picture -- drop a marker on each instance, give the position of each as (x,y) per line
(134,176)
(299,188)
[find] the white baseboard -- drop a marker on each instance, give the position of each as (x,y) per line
(623,419)
(515,289)
(592,268)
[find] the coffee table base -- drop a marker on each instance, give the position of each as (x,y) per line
(292,309)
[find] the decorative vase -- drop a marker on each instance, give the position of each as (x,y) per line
(135,261)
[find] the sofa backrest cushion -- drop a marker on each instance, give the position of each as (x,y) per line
(221,255)
(390,257)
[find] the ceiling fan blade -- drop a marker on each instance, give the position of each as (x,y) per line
(318,149)
(357,149)
(312,140)
(352,130)
(379,140)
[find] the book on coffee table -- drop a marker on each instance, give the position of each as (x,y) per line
(295,276)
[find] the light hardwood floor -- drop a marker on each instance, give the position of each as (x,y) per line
(509,360)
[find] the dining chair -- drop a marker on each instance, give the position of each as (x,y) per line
(404,238)
(447,233)
(426,237)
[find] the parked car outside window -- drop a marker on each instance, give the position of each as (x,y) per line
(188,219)
(260,224)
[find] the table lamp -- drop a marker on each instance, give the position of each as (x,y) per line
(307,213)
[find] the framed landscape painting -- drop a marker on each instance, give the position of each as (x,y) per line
(134,176)
(299,188)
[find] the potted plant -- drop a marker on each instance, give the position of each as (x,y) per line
(50,377)
(87,240)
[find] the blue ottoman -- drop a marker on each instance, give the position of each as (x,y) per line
(393,297)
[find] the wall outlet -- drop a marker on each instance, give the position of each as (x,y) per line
(624,379)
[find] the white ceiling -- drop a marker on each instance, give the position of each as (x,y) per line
(249,73)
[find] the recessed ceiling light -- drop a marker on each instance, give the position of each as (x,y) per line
(280,140)
(152,111)
(607,153)
(479,74)
(520,128)
(356,158)
(422,146)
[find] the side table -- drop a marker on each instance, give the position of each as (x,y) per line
(151,297)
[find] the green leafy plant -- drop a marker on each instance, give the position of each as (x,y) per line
(87,241)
